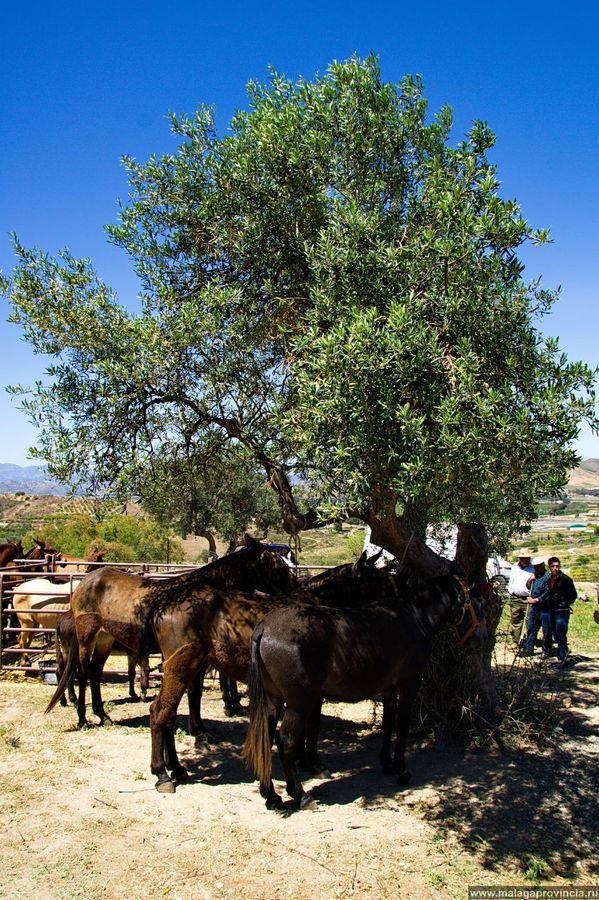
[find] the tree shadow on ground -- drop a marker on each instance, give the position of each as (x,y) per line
(533,801)
(500,804)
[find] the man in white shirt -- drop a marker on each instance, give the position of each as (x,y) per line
(519,591)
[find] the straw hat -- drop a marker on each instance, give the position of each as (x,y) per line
(538,561)
(524,553)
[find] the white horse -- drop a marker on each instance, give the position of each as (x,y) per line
(38,594)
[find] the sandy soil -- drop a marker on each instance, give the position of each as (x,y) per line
(80,817)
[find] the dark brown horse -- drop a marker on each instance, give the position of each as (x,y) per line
(9,551)
(116,602)
(302,654)
(210,627)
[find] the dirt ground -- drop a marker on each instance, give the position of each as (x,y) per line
(80,817)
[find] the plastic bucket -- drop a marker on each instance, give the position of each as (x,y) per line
(48,671)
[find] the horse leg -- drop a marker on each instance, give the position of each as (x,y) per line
(131,675)
(144,677)
(81,720)
(96,668)
(267,788)
(179,671)
(65,631)
(289,740)
(404,708)
(389,720)
(63,647)
(25,639)
(87,627)
(309,759)
(230,694)
(196,726)
(60,664)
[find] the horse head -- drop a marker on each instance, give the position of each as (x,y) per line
(43,549)
(11,550)
(94,559)
(365,563)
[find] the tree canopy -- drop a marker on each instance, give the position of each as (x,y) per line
(205,494)
(333,287)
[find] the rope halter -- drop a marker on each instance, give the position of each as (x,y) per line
(467,606)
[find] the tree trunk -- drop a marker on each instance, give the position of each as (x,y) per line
(212,554)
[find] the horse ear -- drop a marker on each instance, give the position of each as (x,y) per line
(249,540)
(360,563)
(372,560)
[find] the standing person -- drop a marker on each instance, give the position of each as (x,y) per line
(518,590)
(560,597)
(539,588)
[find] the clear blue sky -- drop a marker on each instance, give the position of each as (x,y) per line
(84,84)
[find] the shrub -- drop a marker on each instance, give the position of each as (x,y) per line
(124,538)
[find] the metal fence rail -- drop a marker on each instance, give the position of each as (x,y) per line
(47,567)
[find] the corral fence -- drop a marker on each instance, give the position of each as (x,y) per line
(39,658)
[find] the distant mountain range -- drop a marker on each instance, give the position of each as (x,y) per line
(35,479)
(29,480)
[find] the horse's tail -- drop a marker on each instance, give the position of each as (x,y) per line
(257,747)
(67,675)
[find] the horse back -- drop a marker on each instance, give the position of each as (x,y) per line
(40,592)
(219,622)
(111,595)
(346,655)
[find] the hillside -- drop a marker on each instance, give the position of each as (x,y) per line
(33,510)
(586,475)
(34,480)
(23,511)
(29,480)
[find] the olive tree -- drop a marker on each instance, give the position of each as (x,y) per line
(334,286)
(205,493)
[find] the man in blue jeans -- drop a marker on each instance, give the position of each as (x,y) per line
(539,588)
(560,597)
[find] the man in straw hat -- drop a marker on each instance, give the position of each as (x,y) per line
(518,590)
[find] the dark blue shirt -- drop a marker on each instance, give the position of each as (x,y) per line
(539,589)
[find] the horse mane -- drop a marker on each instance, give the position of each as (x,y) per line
(372,586)
(234,571)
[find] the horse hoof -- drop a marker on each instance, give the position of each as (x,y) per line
(276,803)
(307,801)
(164,785)
(179,774)
(321,771)
(201,742)
(404,778)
